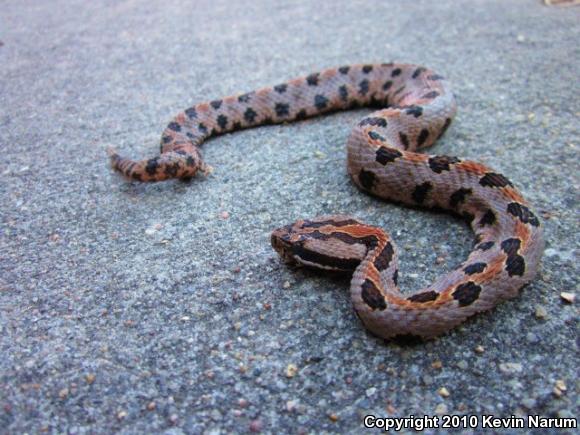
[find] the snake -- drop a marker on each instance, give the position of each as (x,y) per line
(414,106)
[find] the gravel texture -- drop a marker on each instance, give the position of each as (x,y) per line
(162,307)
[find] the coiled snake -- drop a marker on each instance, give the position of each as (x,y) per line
(417,106)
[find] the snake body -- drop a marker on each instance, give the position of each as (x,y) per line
(416,107)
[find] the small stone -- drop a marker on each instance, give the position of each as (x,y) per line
(559,388)
(510,367)
(561,385)
(291,370)
(224,215)
(173,419)
(121,415)
(153,229)
(541,312)
(333,417)
(437,364)
(90,378)
(243,403)
(63,393)
(319,154)
(441,409)
(256,426)
(291,405)
(151,406)
(439,260)
(443,392)
(479,349)
(371,391)
(568,297)
(286,284)
(521,38)
(463,365)
(391,409)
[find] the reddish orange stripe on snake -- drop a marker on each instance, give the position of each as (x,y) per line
(417,107)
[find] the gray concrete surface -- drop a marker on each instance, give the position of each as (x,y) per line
(162,307)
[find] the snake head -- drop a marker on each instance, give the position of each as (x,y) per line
(321,243)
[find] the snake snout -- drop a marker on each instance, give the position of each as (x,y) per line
(281,240)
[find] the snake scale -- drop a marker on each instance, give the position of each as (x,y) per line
(415,107)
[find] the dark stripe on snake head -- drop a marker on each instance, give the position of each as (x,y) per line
(345,264)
